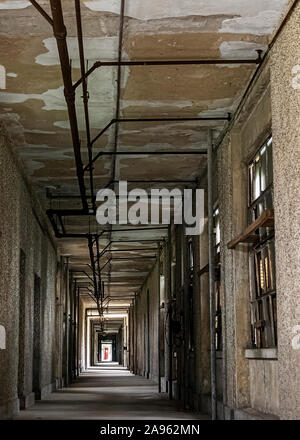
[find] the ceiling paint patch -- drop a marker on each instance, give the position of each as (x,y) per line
(260,24)
(155,104)
(104,48)
(14,4)
(158,9)
(240,49)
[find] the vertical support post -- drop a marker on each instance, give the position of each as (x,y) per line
(170,316)
(66,322)
(135,335)
(186,323)
(78,330)
(158,316)
(61,321)
(211,280)
(85,337)
(148,336)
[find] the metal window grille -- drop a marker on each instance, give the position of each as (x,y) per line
(262,253)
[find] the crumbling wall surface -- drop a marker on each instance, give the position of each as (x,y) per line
(21,230)
(285,86)
(241,375)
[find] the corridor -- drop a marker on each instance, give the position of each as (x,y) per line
(149,209)
(108,392)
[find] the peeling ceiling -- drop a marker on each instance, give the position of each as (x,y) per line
(35,112)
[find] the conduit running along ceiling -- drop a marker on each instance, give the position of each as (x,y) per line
(34,110)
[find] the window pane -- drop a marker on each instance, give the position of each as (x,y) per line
(263,169)
(256,179)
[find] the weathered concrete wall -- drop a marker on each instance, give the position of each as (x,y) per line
(147,355)
(201,319)
(82,336)
(21,230)
(264,385)
(240,375)
(285,86)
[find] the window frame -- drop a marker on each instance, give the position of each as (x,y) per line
(262,275)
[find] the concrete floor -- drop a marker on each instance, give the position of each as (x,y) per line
(108,392)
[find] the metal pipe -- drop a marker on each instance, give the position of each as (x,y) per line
(176,62)
(76,196)
(146,240)
(257,73)
(98,64)
(158,316)
(83,271)
(119,77)
(85,96)
(60,33)
(133,249)
(136,153)
(283,23)
(74,212)
(186,119)
(170,311)
(124,120)
(78,330)
(113,121)
(211,280)
(90,244)
(68,212)
(42,11)
(133,258)
(135,369)
(98,265)
(62,224)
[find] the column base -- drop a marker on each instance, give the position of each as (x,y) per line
(9,409)
(27,401)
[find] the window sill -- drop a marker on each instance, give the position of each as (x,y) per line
(248,236)
(261,353)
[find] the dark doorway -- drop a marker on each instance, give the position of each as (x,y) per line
(36,381)
(107,348)
(22,296)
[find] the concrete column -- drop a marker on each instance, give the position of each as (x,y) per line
(168,295)
(66,323)
(58,325)
(203,330)
(197,324)
(285,96)
(234,263)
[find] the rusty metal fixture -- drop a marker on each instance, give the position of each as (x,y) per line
(99,64)
(186,119)
(42,11)
(85,96)
(60,33)
(134,153)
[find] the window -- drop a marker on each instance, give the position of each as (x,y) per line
(262,253)
(218,294)
(261,182)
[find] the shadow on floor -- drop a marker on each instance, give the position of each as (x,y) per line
(108,392)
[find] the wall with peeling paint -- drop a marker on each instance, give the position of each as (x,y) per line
(23,229)
(285,98)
